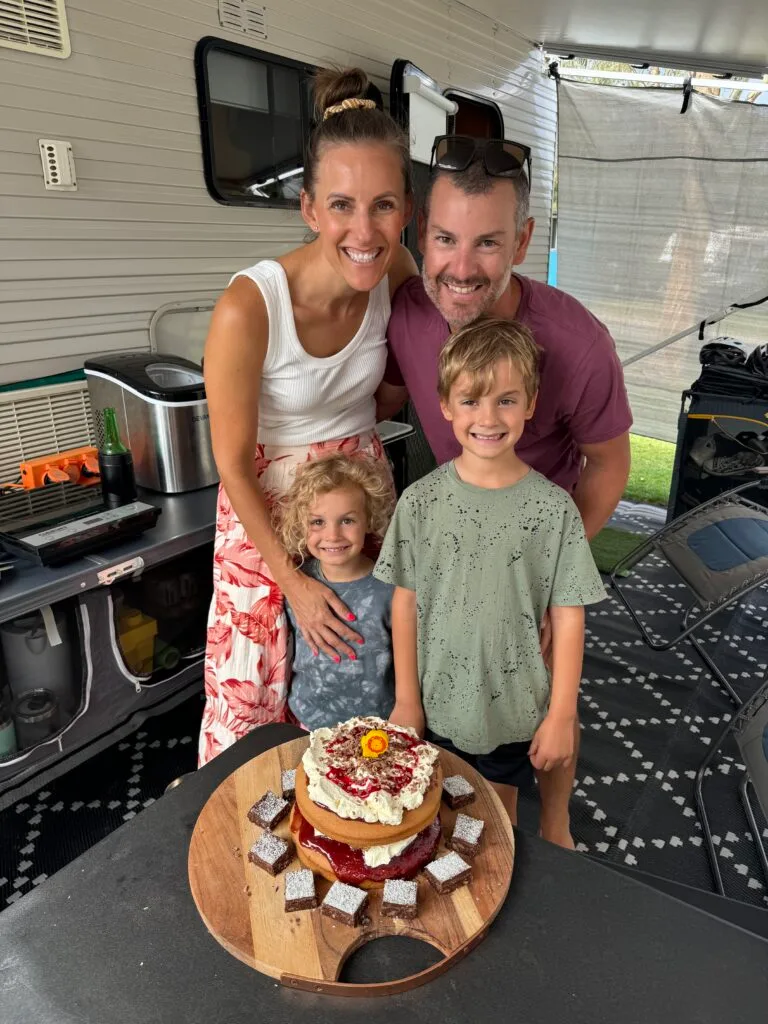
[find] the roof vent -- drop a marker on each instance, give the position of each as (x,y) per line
(37,26)
(243,16)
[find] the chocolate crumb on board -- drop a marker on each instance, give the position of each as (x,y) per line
(467,835)
(345,903)
(299,890)
(268,811)
(400,898)
(448,873)
(288,783)
(457,792)
(271,853)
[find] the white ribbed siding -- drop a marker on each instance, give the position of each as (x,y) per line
(83,272)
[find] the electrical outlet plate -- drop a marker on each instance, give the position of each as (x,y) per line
(58,165)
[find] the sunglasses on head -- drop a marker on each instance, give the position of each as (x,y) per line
(501,159)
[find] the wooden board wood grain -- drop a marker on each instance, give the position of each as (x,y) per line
(242,906)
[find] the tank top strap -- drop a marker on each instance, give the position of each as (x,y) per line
(269,277)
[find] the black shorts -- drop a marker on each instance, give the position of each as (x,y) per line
(508,763)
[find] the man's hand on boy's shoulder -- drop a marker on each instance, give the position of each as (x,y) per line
(409,715)
(553,743)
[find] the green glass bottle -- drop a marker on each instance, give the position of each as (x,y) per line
(118,484)
(111,445)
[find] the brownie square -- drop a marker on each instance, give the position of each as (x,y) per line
(467,835)
(288,783)
(400,898)
(448,873)
(271,853)
(345,903)
(457,792)
(299,890)
(268,811)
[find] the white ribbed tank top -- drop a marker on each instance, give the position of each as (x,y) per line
(305,399)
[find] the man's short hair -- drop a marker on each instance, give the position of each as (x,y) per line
(476,181)
(478,347)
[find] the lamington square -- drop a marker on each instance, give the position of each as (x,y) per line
(288,783)
(269,810)
(457,792)
(400,898)
(299,891)
(467,835)
(445,874)
(271,853)
(345,903)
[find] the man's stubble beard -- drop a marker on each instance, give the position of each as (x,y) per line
(432,288)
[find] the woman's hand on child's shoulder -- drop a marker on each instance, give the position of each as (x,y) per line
(409,715)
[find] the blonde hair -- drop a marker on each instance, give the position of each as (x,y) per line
(331,473)
(478,347)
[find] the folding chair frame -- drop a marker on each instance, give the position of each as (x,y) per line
(687,633)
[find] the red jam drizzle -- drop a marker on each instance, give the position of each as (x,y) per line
(359,776)
(348,864)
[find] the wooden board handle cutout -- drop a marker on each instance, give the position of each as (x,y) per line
(242,906)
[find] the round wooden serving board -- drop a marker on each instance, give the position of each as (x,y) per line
(242,905)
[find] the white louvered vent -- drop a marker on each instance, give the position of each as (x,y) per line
(38,26)
(42,421)
(243,16)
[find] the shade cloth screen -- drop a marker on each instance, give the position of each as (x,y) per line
(662,221)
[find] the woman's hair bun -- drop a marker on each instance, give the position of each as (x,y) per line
(332,85)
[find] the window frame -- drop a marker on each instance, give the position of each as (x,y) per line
(202,49)
(457,95)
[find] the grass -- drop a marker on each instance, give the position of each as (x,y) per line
(650,478)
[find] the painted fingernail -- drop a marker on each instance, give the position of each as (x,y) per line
(350,617)
(353,657)
(360,640)
(315,653)
(336,658)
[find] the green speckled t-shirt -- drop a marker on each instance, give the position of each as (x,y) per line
(485,565)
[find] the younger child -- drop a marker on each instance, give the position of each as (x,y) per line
(479,550)
(334,503)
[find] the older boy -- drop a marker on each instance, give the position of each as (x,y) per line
(479,550)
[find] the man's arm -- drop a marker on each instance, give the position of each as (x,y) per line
(390,399)
(602,481)
(407,710)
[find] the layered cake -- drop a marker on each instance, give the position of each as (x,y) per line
(367,802)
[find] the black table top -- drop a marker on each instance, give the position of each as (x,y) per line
(115,938)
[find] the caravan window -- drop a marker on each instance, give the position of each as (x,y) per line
(255,111)
(480,118)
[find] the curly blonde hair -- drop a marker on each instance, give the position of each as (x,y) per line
(331,473)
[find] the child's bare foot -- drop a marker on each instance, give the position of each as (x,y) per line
(558,834)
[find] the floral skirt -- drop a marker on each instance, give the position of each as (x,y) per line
(247,670)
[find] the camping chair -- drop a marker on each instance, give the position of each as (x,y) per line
(749,727)
(720,551)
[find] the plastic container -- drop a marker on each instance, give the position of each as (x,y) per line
(36,717)
(137,634)
(31,660)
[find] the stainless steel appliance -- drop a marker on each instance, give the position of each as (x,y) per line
(162,414)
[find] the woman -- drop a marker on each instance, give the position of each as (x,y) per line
(295,353)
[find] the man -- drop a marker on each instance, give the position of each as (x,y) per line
(473,231)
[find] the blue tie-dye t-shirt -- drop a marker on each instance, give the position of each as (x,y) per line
(323,692)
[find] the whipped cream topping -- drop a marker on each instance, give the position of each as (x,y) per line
(377,789)
(375,856)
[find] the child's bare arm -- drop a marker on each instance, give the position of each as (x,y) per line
(407,710)
(554,740)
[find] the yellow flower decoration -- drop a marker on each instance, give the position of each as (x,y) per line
(374,743)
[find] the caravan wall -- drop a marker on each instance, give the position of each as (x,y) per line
(82,272)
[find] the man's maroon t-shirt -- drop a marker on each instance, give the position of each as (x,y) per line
(582,398)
